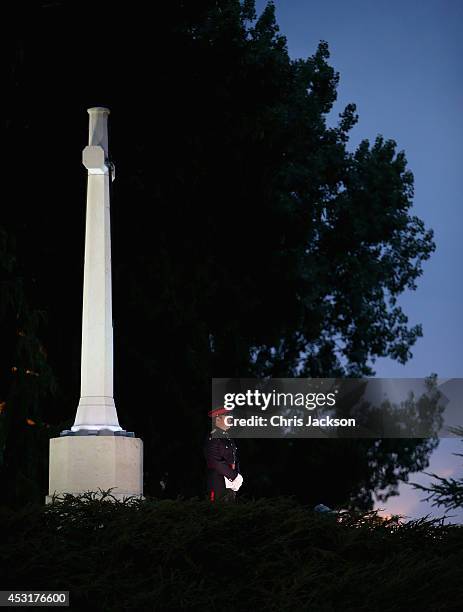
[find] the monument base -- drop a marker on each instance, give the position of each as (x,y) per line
(79,464)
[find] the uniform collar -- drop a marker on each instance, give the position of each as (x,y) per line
(220,432)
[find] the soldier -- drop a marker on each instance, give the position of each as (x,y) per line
(222,460)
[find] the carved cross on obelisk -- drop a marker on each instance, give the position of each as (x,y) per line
(96,408)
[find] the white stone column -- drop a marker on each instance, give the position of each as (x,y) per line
(96,408)
(96,453)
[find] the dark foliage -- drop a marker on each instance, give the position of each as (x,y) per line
(27,381)
(446,492)
(191,555)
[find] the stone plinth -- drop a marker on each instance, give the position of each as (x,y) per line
(88,463)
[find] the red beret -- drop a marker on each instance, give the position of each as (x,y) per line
(217,412)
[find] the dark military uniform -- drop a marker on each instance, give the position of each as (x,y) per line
(222,460)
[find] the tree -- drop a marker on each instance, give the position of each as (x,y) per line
(26,382)
(446,492)
(247,239)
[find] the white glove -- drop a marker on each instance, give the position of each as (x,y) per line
(235,484)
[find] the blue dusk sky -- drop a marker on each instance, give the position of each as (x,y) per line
(400,63)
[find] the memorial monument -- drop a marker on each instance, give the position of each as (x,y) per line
(96,453)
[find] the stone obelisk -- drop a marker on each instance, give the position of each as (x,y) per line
(96,407)
(96,453)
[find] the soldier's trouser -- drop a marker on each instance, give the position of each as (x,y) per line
(227,496)
(216,489)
